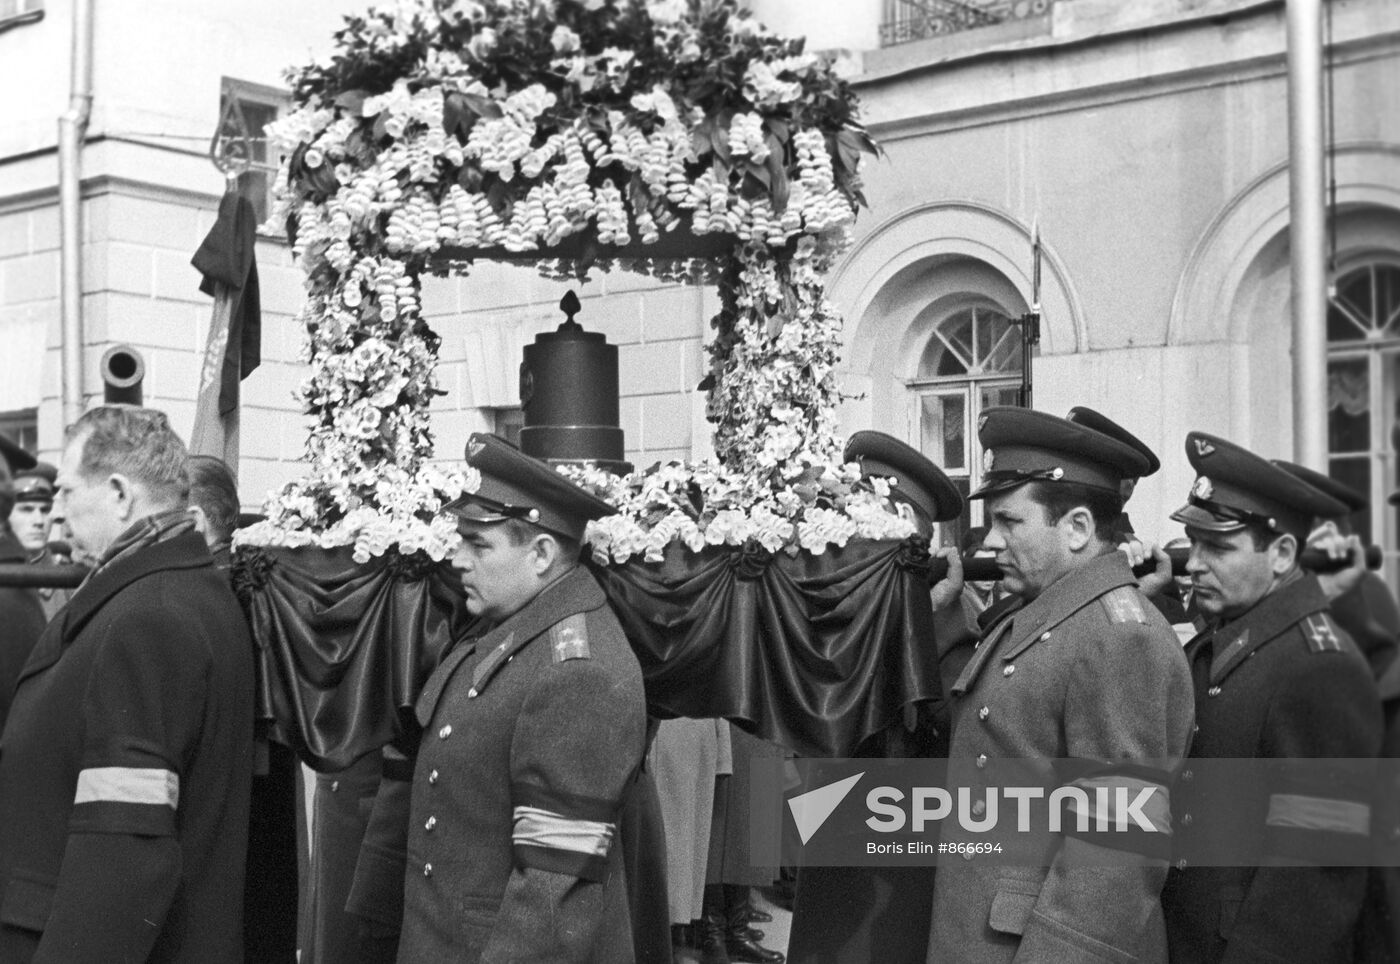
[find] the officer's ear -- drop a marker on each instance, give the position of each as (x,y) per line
(1079,528)
(545,552)
(1283,554)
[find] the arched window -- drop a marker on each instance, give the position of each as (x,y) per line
(970,363)
(1363,385)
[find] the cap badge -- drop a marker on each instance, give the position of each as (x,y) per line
(989,459)
(474,447)
(533,516)
(1204,448)
(981,422)
(1203,489)
(1057,473)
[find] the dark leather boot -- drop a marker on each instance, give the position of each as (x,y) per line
(739,942)
(710,939)
(683,945)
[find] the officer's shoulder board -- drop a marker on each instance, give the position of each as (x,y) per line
(569,639)
(1124,605)
(1320,633)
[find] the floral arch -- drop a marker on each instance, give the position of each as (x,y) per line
(677,138)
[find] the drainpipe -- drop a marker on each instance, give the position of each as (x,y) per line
(1307,232)
(72,130)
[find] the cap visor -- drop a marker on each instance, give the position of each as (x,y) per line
(1199,518)
(996,487)
(469,510)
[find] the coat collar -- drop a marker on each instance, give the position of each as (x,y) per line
(185,551)
(574,592)
(10,548)
(1269,618)
(1014,628)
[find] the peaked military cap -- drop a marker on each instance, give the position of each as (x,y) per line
(918,481)
(1099,422)
(516,486)
(1021,445)
(17,458)
(36,484)
(1345,494)
(1235,488)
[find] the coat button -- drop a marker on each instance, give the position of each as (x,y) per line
(427,870)
(1045,635)
(1196,728)
(1181,864)
(1186,820)
(1010,668)
(1213,691)
(983,713)
(1187,775)
(433,777)
(981,761)
(967,855)
(445,732)
(335,786)
(431,823)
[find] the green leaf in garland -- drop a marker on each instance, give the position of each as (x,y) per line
(483,106)
(780,188)
(352,101)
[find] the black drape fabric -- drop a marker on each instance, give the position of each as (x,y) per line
(814,652)
(344,648)
(226,256)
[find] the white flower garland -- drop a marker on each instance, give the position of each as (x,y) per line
(414,148)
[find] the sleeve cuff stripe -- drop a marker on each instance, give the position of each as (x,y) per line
(1318,813)
(143,785)
(541,828)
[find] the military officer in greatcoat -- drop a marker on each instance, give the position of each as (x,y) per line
(1080,668)
(533,734)
(1275,678)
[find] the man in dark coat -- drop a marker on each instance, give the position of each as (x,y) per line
(270,888)
(533,734)
(1079,668)
(21,613)
(1275,678)
(125,763)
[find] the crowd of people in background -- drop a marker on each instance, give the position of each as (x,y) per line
(145,817)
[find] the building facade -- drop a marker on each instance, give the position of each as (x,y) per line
(1146,143)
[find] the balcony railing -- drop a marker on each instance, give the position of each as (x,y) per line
(909,20)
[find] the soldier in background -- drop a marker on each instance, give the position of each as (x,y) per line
(30,517)
(22,617)
(882,913)
(32,521)
(1274,678)
(1360,601)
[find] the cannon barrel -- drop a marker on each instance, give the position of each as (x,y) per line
(19,575)
(123,370)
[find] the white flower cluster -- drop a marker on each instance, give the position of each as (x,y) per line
(775,395)
(407,519)
(655,510)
